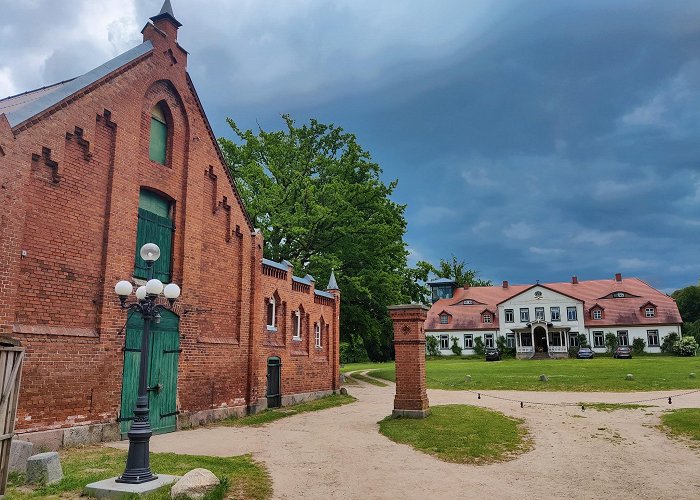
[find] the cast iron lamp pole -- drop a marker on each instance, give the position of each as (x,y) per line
(138,468)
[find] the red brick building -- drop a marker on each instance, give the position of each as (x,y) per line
(90,169)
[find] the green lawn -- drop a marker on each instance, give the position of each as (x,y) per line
(368,380)
(461,434)
(684,422)
(271,415)
(241,476)
(651,373)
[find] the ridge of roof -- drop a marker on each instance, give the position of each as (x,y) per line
(67,88)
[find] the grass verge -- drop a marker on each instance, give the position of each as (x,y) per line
(369,380)
(613,406)
(271,415)
(683,423)
(461,434)
(241,476)
(651,373)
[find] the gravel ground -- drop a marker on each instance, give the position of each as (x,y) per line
(339,453)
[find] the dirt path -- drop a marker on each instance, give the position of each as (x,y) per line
(339,453)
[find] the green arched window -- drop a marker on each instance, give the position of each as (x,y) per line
(155,225)
(157,150)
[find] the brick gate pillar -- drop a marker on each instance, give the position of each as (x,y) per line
(411,399)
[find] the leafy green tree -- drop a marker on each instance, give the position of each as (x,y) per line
(431,346)
(318,198)
(638,345)
(688,301)
(611,342)
(479,347)
(458,271)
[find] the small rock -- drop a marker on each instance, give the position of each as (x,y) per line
(44,468)
(629,376)
(692,375)
(543,378)
(343,391)
(468,378)
(20,451)
(195,484)
(342,377)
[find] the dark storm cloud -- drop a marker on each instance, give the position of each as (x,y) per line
(535,140)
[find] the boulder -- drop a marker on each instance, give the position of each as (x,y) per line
(629,376)
(343,391)
(20,451)
(543,378)
(44,468)
(195,484)
(692,375)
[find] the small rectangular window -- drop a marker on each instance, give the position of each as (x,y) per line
(468,341)
(554,313)
(296,334)
(598,339)
(510,317)
(597,314)
(318,335)
(623,337)
(653,338)
(573,339)
(571,313)
(510,340)
(649,312)
(444,319)
(539,313)
(487,317)
(444,342)
(524,314)
(488,340)
(526,339)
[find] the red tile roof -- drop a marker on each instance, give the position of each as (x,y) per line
(626,311)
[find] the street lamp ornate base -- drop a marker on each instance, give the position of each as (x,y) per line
(136,476)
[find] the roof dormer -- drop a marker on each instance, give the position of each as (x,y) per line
(597,312)
(487,316)
(649,310)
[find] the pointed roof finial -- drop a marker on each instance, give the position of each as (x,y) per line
(332,283)
(166,12)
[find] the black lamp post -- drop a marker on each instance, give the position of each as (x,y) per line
(138,468)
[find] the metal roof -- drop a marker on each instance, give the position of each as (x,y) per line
(303,281)
(332,283)
(442,281)
(274,264)
(324,294)
(22,107)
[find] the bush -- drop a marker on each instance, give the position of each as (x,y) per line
(502,345)
(638,345)
(573,351)
(455,346)
(669,341)
(610,342)
(479,346)
(353,352)
(687,346)
(431,346)
(582,340)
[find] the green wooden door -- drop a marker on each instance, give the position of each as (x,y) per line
(164,346)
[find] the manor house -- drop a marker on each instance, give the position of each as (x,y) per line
(545,320)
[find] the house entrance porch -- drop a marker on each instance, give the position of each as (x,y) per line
(541,337)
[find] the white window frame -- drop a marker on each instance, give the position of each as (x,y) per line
(649,312)
(658,339)
(597,314)
(539,316)
(317,331)
(468,302)
(623,334)
(296,335)
(524,314)
(468,341)
(510,316)
(444,319)
(599,334)
(486,317)
(571,313)
(271,302)
(555,313)
(444,342)
(488,340)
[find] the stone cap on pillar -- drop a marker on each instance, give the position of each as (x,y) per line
(409,312)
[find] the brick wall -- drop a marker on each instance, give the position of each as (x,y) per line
(70,183)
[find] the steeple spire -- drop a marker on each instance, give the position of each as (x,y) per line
(332,283)
(166,12)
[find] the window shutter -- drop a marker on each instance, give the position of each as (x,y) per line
(159,141)
(153,228)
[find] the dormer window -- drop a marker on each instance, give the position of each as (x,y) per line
(444,318)
(468,302)
(158,145)
(649,312)
(486,317)
(597,314)
(619,295)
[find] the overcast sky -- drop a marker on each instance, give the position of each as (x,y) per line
(534,140)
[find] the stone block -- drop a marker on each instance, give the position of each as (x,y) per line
(82,435)
(45,440)
(44,468)
(543,378)
(195,484)
(110,488)
(111,432)
(20,451)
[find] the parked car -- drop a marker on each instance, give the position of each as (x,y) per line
(585,353)
(622,351)
(493,354)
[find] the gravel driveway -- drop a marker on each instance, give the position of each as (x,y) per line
(339,453)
